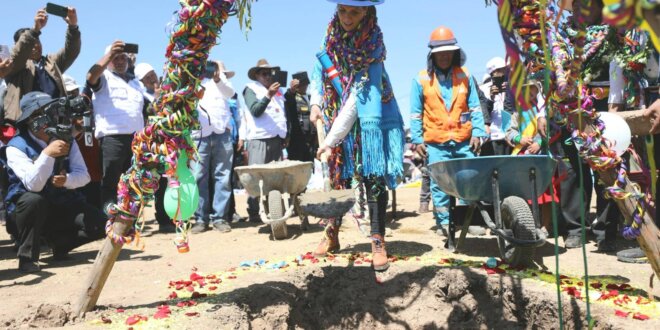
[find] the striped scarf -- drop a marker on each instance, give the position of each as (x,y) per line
(351,52)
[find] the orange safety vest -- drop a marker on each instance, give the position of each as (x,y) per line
(440,125)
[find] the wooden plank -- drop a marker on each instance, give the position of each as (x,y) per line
(101,269)
(635,119)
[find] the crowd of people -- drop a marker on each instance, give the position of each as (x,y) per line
(58,183)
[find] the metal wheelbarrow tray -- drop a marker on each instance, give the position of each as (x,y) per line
(274,183)
(507,182)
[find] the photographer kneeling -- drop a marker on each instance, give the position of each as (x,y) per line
(41,200)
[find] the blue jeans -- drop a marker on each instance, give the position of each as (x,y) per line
(438,152)
(213,175)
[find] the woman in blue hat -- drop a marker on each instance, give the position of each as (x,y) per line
(351,91)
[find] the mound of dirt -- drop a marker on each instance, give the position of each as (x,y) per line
(423,298)
(43,316)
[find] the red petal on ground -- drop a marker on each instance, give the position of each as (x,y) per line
(187,283)
(211,277)
(494,270)
(233,269)
(179,286)
(120,310)
(195,277)
(563,277)
(190,288)
(621,313)
(231,277)
(192,314)
(132,320)
(580,284)
(445,261)
(642,301)
(173,295)
(573,291)
(640,316)
(181,304)
(213,288)
(358,262)
(162,314)
(596,285)
(201,282)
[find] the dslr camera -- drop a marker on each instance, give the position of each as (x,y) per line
(58,116)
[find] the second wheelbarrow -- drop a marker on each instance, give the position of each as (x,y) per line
(506,182)
(274,184)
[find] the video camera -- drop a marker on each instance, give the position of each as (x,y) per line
(58,116)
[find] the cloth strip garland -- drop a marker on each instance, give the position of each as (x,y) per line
(157,147)
(570,47)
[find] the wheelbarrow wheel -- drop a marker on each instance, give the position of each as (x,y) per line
(276,211)
(517,217)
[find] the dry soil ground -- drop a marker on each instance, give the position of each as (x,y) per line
(411,295)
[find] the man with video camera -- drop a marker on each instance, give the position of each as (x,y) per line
(44,170)
(31,71)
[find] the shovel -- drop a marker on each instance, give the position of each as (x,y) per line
(329,203)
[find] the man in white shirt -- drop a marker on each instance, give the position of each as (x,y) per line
(495,93)
(266,124)
(42,199)
(118,113)
(216,149)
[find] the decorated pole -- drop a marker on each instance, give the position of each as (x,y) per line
(629,201)
(165,146)
(538,45)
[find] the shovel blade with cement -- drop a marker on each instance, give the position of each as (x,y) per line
(325,205)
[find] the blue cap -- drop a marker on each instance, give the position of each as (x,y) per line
(32,102)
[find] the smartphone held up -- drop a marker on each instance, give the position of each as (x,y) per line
(57,10)
(131,48)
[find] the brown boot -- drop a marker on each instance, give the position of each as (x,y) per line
(378,253)
(330,241)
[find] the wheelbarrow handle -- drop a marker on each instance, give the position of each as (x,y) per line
(320,132)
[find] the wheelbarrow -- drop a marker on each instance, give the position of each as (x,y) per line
(506,182)
(274,184)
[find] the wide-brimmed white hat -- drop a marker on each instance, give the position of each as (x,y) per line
(494,64)
(222,68)
(358,3)
(69,83)
(142,69)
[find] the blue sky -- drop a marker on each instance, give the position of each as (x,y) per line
(286,32)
